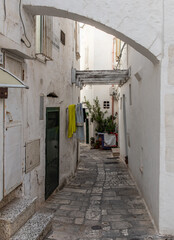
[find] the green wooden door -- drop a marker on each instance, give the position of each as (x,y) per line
(52,151)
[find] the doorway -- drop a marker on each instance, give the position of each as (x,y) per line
(52,150)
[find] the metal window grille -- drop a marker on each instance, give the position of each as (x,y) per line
(106,104)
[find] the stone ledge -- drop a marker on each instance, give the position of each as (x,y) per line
(35,228)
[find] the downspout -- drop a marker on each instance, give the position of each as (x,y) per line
(112,84)
(4,147)
(4,130)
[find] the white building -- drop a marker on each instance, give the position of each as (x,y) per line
(33,131)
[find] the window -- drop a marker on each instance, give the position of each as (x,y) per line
(44,32)
(106,104)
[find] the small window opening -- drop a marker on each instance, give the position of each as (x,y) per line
(106,104)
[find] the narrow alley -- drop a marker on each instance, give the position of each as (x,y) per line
(101,202)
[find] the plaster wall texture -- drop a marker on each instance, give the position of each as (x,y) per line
(143,128)
(1,149)
(167,124)
(53,76)
(119,18)
(87,48)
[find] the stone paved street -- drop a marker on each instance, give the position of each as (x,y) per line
(101,202)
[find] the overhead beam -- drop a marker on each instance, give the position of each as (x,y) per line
(100,77)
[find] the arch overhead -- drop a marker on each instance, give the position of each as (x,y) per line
(138,23)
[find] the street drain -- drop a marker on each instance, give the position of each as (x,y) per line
(111,163)
(96,227)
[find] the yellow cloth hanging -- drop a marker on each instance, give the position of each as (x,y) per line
(72,120)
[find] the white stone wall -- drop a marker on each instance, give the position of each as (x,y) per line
(42,78)
(1,149)
(166,221)
(143,128)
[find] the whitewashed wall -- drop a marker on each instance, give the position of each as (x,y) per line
(1,149)
(42,78)
(167,124)
(143,128)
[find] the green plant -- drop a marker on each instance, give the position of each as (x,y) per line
(96,114)
(110,125)
(103,125)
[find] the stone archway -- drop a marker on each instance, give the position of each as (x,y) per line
(137,23)
(146,26)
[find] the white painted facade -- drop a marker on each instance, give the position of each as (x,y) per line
(22,124)
(147,27)
(142,127)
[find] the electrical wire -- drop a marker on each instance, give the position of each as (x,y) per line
(5,12)
(20,14)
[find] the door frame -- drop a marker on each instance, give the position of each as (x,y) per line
(52,109)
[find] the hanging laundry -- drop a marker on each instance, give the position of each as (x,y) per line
(72,120)
(80,122)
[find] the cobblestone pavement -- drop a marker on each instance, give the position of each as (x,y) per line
(101,202)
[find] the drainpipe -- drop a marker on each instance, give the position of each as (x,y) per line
(113,85)
(4,147)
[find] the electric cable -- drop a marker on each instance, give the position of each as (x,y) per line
(20,14)
(5,12)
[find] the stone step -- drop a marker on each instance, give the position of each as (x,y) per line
(116,152)
(35,228)
(14,215)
